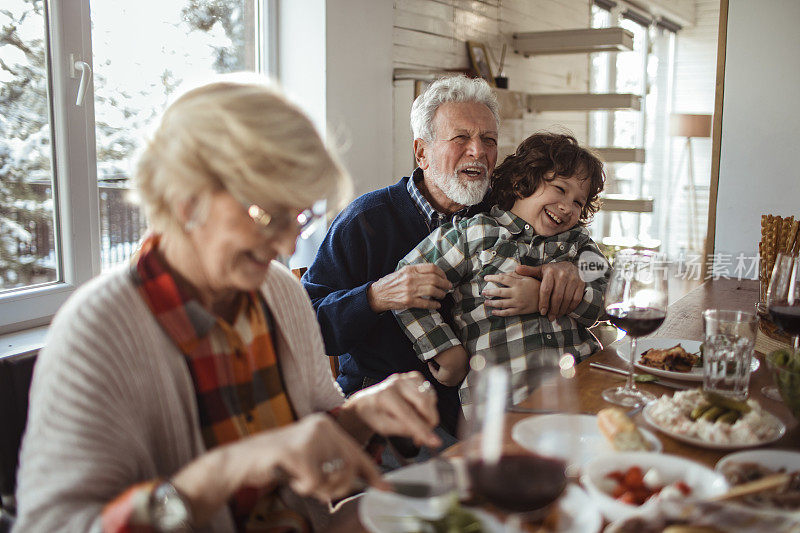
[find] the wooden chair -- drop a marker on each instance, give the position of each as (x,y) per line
(16,373)
(333,360)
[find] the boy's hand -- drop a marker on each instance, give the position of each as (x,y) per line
(450,367)
(561,290)
(518,296)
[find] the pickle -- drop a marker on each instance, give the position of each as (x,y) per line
(713,413)
(698,411)
(729,417)
(727,403)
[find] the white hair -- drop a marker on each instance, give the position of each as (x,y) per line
(456,89)
(239,136)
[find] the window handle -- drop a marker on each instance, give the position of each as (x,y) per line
(86,77)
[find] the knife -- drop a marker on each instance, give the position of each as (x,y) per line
(668,384)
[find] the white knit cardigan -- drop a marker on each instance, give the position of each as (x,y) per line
(112,402)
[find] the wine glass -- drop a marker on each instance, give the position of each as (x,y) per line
(636,302)
(783,302)
(520,483)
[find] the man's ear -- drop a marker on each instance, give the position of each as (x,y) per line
(421,153)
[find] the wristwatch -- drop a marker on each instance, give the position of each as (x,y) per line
(169,509)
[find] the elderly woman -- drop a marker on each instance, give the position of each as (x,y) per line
(179,393)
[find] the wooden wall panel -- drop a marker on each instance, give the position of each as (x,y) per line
(433,34)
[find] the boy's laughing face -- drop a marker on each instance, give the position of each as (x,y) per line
(555,206)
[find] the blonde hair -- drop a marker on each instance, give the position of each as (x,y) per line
(241,136)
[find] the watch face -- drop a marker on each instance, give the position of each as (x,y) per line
(170,510)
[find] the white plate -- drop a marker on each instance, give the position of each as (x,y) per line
(661,343)
(572,438)
(382,512)
(779,430)
(704,482)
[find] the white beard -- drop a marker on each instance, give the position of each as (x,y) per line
(469,192)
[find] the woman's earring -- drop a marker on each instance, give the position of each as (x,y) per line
(190,225)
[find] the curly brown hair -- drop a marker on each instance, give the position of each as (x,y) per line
(521,173)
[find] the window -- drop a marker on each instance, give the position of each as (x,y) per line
(647,70)
(65,167)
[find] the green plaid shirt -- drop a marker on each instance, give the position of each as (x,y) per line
(469,249)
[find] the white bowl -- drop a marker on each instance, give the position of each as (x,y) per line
(774,459)
(703,481)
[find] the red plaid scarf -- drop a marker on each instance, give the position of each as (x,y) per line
(235,370)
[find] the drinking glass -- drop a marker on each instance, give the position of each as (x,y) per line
(636,302)
(728,347)
(783,296)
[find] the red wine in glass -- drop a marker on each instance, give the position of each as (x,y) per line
(518,483)
(786,317)
(636,321)
(636,302)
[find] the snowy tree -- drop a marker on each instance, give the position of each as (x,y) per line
(122,113)
(24,147)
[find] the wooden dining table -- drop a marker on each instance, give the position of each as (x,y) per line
(683,322)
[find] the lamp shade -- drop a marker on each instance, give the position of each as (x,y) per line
(685,125)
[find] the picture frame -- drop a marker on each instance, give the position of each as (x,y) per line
(479,57)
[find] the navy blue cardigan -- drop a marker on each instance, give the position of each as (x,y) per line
(364,243)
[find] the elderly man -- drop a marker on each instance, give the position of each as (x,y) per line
(353,283)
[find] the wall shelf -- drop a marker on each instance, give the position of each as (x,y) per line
(580,41)
(583,102)
(621,155)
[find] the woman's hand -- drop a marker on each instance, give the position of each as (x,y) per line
(518,296)
(402,405)
(314,456)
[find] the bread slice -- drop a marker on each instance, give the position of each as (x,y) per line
(621,431)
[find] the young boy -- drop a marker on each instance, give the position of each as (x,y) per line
(545,194)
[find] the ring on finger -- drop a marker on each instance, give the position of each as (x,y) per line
(425,387)
(332,466)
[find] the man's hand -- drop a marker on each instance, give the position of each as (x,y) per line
(413,286)
(561,290)
(450,366)
(519,295)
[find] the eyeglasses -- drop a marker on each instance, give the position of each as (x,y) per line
(306,221)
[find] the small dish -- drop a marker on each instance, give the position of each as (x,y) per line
(575,439)
(775,459)
(703,482)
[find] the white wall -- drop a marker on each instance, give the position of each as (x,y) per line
(760,122)
(336,62)
(432,35)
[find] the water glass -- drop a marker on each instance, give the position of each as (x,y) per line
(727,349)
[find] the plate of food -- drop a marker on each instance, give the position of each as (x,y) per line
(713,421)
(387,512)
(576,439)
(679,359)
(742,467)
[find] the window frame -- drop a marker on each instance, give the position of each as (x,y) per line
(77,218)
(77,212)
